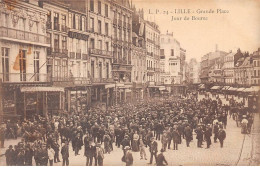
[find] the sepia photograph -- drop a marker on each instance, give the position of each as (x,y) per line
(129,83)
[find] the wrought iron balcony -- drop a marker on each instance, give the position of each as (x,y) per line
(78,55)
(102,80)
(49,25)
(84,56)
(22,35)
(64,28)
(100,52)
(72,55)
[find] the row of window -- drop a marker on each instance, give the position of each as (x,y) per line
(22,24)
(99,5)
(173,64)
(21,62)
(256,63)
(163,54)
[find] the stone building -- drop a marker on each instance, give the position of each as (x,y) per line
(121,17)
(138,55)
(23,70)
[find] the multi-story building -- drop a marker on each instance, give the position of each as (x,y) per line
(172,61)
(210,66)
(243,71)
(100,52)
(23,70)
(228,68)
(57,53)
(121,15)
(182,62)
(193,71)
(256,68)
(138,55)
(152,39)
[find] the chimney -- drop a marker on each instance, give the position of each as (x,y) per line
(216,47)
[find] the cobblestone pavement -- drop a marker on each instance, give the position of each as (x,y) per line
(230,154)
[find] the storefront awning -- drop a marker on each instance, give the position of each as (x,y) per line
(252,89)
(42,89)
(215,87)
(225,87)
(202,86)
(240,89)
(232,89)
(162,88)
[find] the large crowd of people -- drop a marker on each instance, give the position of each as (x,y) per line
(131,127)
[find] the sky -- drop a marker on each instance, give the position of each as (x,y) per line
(239,27)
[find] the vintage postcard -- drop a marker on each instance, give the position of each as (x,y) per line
(129,83)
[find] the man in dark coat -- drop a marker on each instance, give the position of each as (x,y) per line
(169,137)
(221,136)
(128,157)
(188,135)
(28,155)
(78,144)
(43,156)
(158,130)
(56,148)
(9,154)
(91,154)
(161,159)
(216,131)
(207,135)
(20,155)
(153,149)
(176,139)
(199,136)
(65,154)
(2,134)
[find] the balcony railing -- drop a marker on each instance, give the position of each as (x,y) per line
(81,81)
(102,80)
(64,28)
(100,52)
(150,53)
(23,77)
(115,21)
(56,26)
(72,55)
(91,30)
(78,55)
(150,68)
(23,35)
(57,52)
(84,56)
(49,25)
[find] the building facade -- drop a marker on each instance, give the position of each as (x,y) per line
(210,67)
(138,55)
(228,68)
(121,17)
(152,39)
(24,44)
(256,68)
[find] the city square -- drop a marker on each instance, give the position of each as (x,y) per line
(108,83)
